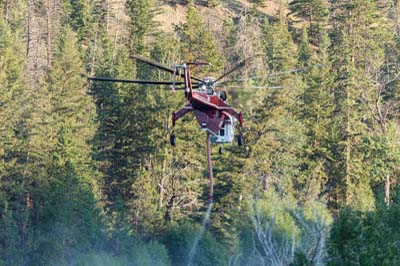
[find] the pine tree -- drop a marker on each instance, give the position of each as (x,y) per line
(68,221)
(231,192)
(316,112)
(231,39)
(277,135)
(198,43)
(141,13)
(356,47)
(113,145)
(305,52)
(78,17)
(314,13)
(14,207)
(12,88)
(68,91)
(278,46)
(213,3)
(59,101)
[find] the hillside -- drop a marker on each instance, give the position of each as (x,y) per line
(173,14)
(94,171)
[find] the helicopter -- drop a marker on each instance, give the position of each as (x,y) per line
(210,107)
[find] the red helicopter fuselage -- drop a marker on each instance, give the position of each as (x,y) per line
(213,114)
(211,110)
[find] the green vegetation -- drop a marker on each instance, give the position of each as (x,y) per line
(87,175)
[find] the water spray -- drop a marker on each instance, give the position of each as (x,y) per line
(199,236)
(193,250)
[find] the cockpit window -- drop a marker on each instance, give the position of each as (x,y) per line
(210,90)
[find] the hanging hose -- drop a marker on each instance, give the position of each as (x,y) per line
(210,170)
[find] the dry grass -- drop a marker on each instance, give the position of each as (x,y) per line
(172,15)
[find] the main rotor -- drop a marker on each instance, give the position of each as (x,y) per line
(206,84)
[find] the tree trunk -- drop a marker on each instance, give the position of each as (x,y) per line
(28,31)
(107,15)
(387,190)
(49,22)
(161,185)
(6,7)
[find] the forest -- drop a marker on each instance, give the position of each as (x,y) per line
(87,173)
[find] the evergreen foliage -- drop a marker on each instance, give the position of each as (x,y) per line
(179,240)
(78,16)
(141,13)
(12,188)
(198,43)
(314,13)
(369,238)
(87,176)
(352,83)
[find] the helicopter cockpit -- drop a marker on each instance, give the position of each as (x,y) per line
(226,133)
(207,86)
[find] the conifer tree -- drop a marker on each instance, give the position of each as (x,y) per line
(174,180)
(315,14)
(69,220)
(305,52)
(141,13)
(12,88)
(64,100)
(13,188)
(274,158)
(68,91)
(316,112)
(112,145)
(231,39)
(78,17)
(356,47)
(198,43)
(278,46)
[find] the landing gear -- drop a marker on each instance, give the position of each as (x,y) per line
(240,139)
(172,139)
(220,150)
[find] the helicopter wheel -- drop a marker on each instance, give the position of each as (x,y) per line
(172,139)
(220,150)
(240,139)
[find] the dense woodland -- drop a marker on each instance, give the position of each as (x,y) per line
(87,175)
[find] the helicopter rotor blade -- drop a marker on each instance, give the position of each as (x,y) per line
(258,87)
(176,89)
(274,74)
(150,82)
(160,66)
(240,65)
